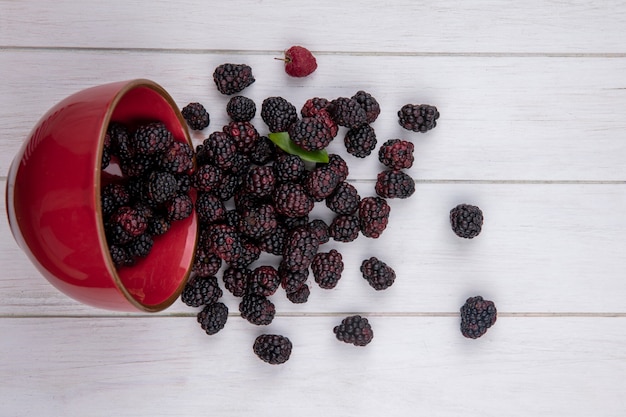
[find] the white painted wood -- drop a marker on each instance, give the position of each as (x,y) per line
(537,119)
(414,366)
(482,26)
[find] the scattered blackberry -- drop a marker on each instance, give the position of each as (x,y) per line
(299,296)
(320,230)
(272,348)
(344,228)
(236,280)
(178,208)
(394,184)
(241,109)
(196,116)
(257,309)
(344,200)
(293,222)
(232,78)
(152,138)
(338,165)
(205,262)
(250,252)
(278,114)
(291,200)
(347,112)
(218,149)
(140,246)
(241,164)
(263,152)
(120,256)
(201,291)
(288,168)
(225,242)
(264,280)
(274,242)
(160,187)
(258,221)
(228,187)
(177,159)
(300,248)
(245,201)
(369,104)
(327,268)
(159,225)
(466,220)
(396,154)
(311,133)
(328,121)
(355,330)
(130,220)
(244,134)
(373,216)
(418,117)
(360,141)
(321,182)
(313,105)
(477,316)
(291,281)
(105,159)
(112,197)
(260,181)
(209,208)
(377,273)
(213,317)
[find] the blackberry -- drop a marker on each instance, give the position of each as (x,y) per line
(293,222)
(263,280)
(278,114)
(396,154)
(320,230)
(321,182)
(313,105)
(360,141)
(160,187)
(196,116)
(466,220)
(344,228)
(119,137)
(328,121)
(291,200)
(209,208)
(373,216)
(205,262)
(137,165)
(300,248)
(232,78)
(232,218)
(344,200)
(130,220)
(213,317)
(260,181)
(177,159)
(327,268)
(291,281)
(219,149)
(288,168)
(244,135)
(228,187)
(236,280)
(225,242)
(241,109)
(369,104)
(338,165)
(158,225)
(105,159)
(178,208)
(152,138)
(299,296)
(120,256)
(274,242)
(272,348)
(184,183)
(112,197)
(257,309)
(477,316)
(241,164)
(250,252)
(258,221)
(347,112)
(201,291)
(263,152)
(378,274)
(311,133)
(394,184)
(418,117)
(140,246)
(355,330)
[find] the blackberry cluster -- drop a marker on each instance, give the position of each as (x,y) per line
(232,78)
(273,349)
(241,109)
(396,154)
(322,182)
(258,221)
(236,280)
(378,274)
(369,104)
(278,114)
(355,330)
(347,112)
(244,135)
(373,216)
(289,168)
(201,291)
(466,220)
(327,268)
(394,184)
(311,133)
(213,317)
(313,105)
(344,228)
(263,280)
(300,248)
(477,316)
(360,141)
(257,309)
(291,200)
(196,116)
(418,117)
(344,200)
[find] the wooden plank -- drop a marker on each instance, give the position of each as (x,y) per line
(537,119)
(484,26)
(164,366)
(544,248)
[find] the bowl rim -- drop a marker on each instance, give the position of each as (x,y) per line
(119,284)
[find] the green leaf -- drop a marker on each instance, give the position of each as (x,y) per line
(284,142)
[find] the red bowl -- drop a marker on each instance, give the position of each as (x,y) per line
(53,201)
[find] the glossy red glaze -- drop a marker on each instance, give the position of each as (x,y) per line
(53,201)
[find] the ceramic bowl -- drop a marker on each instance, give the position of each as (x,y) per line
(53,201)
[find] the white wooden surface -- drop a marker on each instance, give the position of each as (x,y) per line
(533,119)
